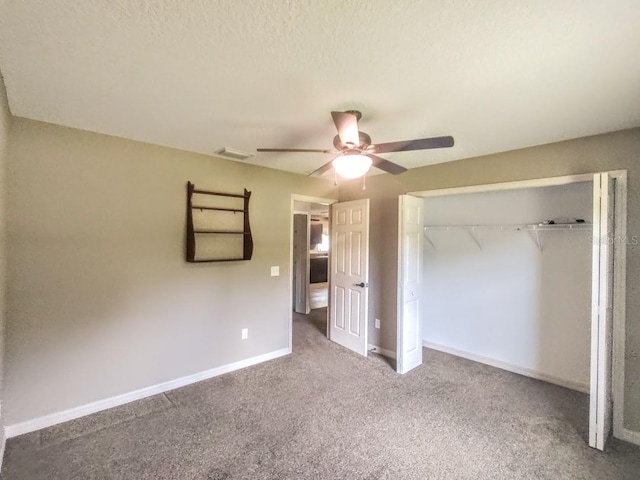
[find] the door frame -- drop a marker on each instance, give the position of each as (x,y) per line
(619,280)
(309,199)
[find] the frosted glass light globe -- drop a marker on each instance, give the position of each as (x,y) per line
(352,165)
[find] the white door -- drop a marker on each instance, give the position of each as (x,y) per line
(349,275)
(600,408)
(410,232)
(301,287)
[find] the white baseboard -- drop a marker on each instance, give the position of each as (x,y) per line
(381,351)
(628,436)
(94,407)
(580,387)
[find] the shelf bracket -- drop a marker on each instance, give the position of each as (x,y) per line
(426,237)
(534,235)
(472,234)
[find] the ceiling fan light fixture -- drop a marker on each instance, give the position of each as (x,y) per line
(352,165)
(356,152)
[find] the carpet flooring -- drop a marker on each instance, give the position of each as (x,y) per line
(326,413)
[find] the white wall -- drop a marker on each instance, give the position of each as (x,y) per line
(511,302)
(4,135)
(101,301)
(301,207)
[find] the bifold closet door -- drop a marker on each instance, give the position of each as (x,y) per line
(410,232)
(600,408)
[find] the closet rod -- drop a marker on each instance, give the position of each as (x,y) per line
(537,226)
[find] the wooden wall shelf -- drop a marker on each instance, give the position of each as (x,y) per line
(216,233)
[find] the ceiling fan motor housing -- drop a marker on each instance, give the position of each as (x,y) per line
(364,139)
(357,113)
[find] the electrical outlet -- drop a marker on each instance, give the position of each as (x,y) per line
(275,271)
(377,323)
(245,333)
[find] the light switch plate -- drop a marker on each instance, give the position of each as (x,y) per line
(275,271)
(245,333)
(377,323)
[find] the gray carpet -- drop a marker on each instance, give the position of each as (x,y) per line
(325,413)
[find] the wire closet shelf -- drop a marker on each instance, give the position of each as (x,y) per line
(534,228)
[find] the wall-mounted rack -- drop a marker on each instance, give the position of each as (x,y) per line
(217,229)
(534,228)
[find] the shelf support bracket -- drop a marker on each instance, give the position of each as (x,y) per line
(472,234)
(534,234)
(426,237)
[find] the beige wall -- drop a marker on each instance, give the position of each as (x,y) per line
(619,150)
(101,301)
(4,135)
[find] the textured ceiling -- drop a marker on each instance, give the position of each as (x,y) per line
(202,74)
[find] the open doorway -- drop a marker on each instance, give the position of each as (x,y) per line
(310,251)
(345,249)
(319,256)
(310,256)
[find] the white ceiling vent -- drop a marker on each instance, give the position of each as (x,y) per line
(234,154)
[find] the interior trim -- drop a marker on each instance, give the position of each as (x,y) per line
(51,419)
(579,386)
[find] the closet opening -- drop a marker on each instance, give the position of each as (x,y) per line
(525,276)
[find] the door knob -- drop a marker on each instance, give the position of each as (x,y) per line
(361,284)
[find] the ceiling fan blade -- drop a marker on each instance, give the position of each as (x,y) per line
(407,145)
(386,165)
(324,168)
(290,150)
(347,125)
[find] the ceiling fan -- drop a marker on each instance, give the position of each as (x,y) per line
(356,153)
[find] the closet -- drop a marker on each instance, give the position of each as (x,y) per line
(526,276)
(507,279)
